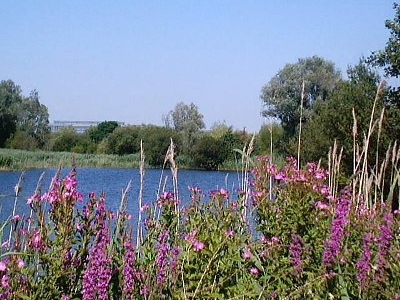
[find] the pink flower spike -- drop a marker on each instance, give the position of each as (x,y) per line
(3,266)
(21,264)
(229,233)
(223,192)
(280,176)
(321,206)
(198,246)
(254,271)
(144,207)
(16,218)
(246,254)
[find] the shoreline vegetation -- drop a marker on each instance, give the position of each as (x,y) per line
(20,160)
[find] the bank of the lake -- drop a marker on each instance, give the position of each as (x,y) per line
(12,159)
(19,160)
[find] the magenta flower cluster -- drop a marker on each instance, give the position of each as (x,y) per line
(364,265)
(340,220)
(384,243)
(129,271)
(162,257)
(98,270)
(296,252)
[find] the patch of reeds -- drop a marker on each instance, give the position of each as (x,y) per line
(12,159)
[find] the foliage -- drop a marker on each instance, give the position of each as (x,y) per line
(188,121)
(102,131)
(389,57)
(7,126)
(22,140)
(65,140)
(11,159)
(271,133)
(318,242)
(124,140)
(23,114)
(333,119)
(156,141)
(282,95)
(208,153)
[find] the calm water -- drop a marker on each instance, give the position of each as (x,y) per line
(112,182)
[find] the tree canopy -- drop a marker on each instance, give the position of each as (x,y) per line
(19,113)
(389,57)
(282,96)
(188,121)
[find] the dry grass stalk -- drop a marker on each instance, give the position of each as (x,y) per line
(368,182)
(139,235)
(303,96)
(246,164)
(334,160)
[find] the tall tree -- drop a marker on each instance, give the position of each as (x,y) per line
(28,114)
(188,121)
(332,120)
(10,93)
(103,130)
(33,118)
(283,96)
(389,57)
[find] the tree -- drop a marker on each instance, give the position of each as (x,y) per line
(333,119)
(283,94)
(7,126)
(33,118)
(389,57)
(65,140)
(271,133)
(156,140)
(10,93)
(124,140)
(27,113)
(208,153)
(188,121)
(101,131)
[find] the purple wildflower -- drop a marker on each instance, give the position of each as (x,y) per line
(175,252)
(364,264)
(129,271)
(98,271)
(255,271)
(162,257)
(385,240)
(333,245)
(296,252)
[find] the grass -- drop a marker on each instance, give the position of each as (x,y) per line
(11,159)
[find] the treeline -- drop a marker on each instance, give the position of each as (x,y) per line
(207,149)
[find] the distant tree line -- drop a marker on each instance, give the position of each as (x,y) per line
(309,99)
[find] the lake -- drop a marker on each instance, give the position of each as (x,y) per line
(112,182)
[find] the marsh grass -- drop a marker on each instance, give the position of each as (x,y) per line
(12,159)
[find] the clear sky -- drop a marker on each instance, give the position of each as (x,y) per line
(133,61)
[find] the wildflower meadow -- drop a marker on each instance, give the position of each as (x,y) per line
(291,233)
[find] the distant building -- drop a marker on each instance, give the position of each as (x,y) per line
(79,126)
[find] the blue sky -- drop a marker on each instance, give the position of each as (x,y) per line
(133,61)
